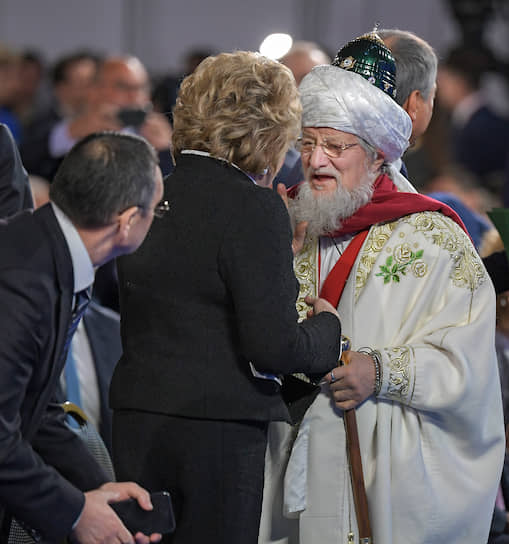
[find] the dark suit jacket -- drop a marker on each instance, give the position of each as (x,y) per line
(15,191)
(211,289)
(497,266)
(291,172)
(482,144)
(39,455)
(34,147)
(103,330)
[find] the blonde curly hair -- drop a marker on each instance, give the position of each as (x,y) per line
(241,107)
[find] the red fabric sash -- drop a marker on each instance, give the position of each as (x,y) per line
(335,282)
(388,204)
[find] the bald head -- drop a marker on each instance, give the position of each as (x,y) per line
(122,81)
(302,57)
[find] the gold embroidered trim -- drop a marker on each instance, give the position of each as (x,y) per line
(468,271)
(305,266)
(401,378)
(377,238)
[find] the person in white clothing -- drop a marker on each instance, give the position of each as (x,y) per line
(419,310)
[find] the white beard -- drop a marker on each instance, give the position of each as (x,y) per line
(325,213)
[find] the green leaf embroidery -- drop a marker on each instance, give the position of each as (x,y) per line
(390,272)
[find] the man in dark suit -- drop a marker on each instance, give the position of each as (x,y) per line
(14,188)
(102,205)
(72,77)
(479,135)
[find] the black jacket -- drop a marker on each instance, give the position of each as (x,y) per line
(15,191)
(212,289)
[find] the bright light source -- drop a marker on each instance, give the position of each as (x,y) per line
(276,46)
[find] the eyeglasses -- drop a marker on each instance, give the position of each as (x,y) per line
(161,209)
(306,146)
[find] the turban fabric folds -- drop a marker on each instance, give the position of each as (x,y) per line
(343,100)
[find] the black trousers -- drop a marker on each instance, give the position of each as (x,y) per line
(212,469)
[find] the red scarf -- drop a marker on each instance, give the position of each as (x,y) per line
(388,204)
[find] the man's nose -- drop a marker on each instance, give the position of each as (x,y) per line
(318,157)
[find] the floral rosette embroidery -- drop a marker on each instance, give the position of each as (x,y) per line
(399,262)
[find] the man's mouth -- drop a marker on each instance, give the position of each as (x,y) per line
(319,181)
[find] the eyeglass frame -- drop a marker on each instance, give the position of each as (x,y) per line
(325,145)
(161,209)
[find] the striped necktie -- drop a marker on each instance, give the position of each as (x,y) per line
(81,301)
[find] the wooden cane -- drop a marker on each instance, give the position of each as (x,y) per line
(356,475)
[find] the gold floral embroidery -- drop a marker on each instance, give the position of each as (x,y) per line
(468,271)
(378,236)
(397,265)
(403,254)
(305,265)
(401,378)
(419,268)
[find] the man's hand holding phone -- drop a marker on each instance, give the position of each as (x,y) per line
(99,523)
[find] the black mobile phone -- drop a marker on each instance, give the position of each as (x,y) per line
(132,117)
(159,520)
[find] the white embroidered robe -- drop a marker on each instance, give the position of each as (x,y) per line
(432,443)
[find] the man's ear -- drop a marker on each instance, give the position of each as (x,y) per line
(378,162)
(411,105)
(125,221)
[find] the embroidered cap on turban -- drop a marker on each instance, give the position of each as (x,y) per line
(343,100)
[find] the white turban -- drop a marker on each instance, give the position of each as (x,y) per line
(336,98)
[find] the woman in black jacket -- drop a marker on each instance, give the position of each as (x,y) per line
(209,324)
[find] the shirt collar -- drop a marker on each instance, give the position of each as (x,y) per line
(83,268)
(207,154)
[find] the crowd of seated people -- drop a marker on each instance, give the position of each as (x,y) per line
(49,108)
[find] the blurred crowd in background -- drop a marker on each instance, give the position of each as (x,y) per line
(49,106)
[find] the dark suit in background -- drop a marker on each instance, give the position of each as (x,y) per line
(291,172)
(481,144)
(39,455)
(497,266)
(15,192)
(103,331)
(211,290)
(34,148)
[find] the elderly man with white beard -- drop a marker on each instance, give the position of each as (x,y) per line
(419,310)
